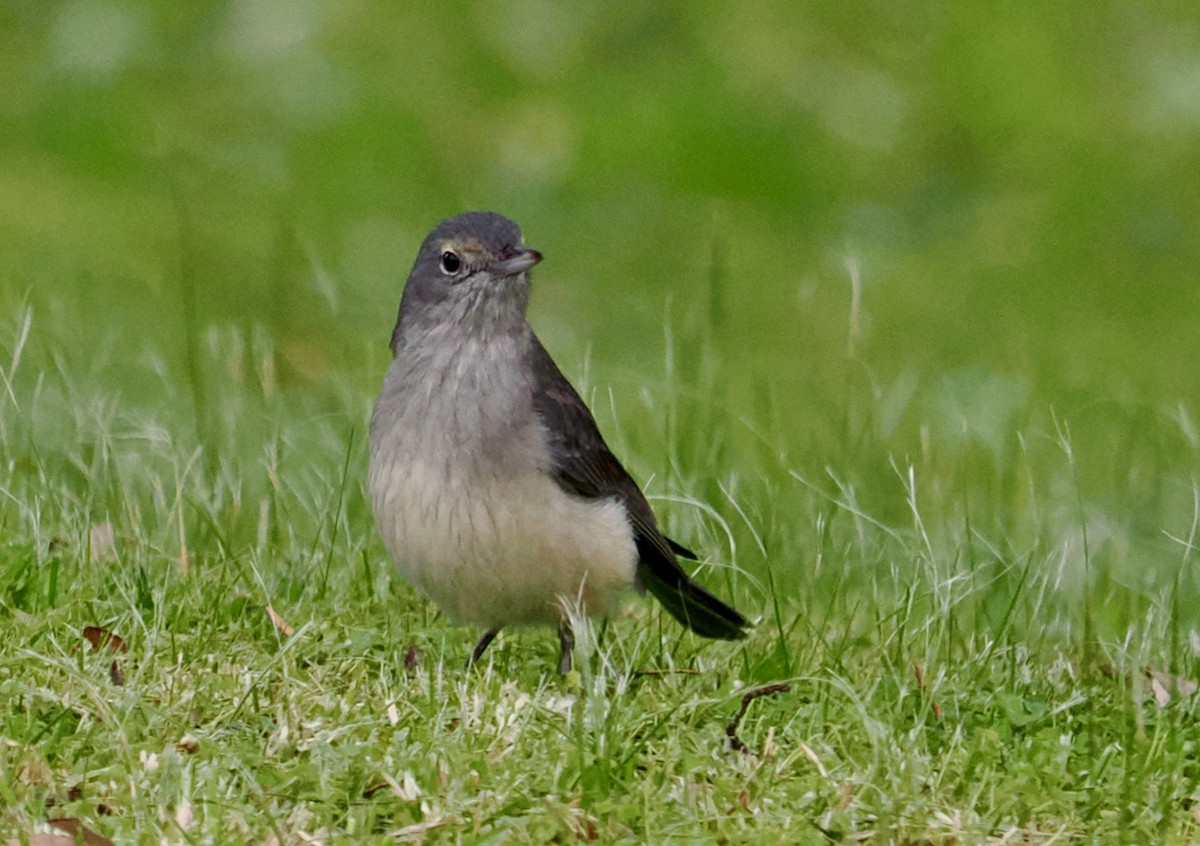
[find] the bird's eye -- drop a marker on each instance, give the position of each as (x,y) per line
(450,262)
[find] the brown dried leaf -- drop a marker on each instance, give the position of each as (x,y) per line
(79,832)
(104,639)
(42,838)
(412,657)
(279,622)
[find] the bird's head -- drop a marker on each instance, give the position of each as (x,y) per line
(471,271)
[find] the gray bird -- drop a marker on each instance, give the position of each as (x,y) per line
(492,487)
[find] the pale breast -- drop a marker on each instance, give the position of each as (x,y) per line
(462,497)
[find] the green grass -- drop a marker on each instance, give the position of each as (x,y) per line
(968,622)
(892,309)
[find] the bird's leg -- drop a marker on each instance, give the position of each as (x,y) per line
(566,638)
(482,645)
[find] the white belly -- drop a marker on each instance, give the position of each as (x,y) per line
(494,551)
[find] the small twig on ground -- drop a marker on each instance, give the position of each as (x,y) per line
(679,671)
(735,742)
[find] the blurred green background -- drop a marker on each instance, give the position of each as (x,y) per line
(1015,193)
(1020,186)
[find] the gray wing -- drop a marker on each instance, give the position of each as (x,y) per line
(583,465)
(582,462)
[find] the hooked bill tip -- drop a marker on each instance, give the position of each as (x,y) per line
(519,263)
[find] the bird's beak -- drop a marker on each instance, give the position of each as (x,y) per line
(519,263)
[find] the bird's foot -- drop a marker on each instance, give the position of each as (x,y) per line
(484,642)
(566,639)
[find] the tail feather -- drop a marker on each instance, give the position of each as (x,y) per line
(680,550)
(695,607)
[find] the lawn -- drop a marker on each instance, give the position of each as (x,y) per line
(892,314)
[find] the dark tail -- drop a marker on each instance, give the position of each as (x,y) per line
(692,605)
